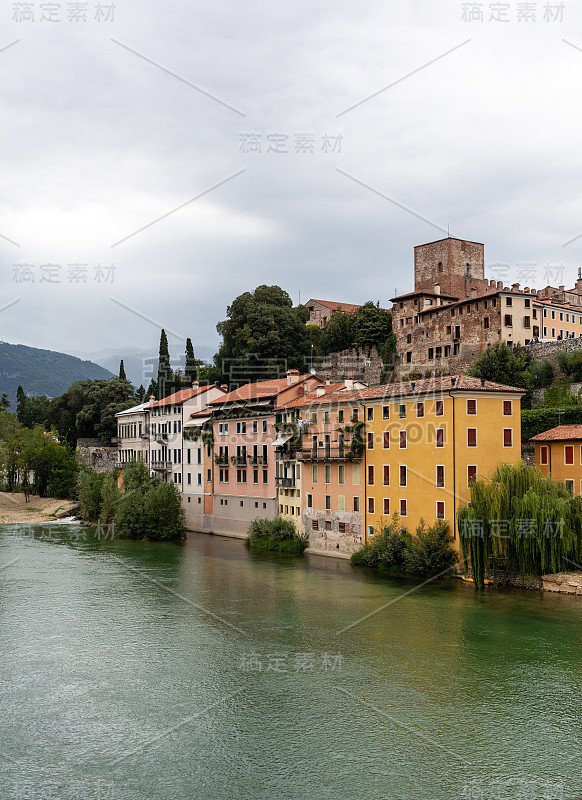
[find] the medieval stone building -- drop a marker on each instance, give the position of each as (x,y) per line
(454,312)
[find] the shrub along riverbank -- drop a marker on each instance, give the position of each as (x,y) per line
(277,535)
(395,550)
(144,507)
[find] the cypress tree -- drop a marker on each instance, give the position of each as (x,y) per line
(21,405)
(165,374)
(122,375)
(191,365)
(152,390)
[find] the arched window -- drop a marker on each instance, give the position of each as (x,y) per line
(440,266)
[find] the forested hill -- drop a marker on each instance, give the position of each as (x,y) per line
(42,371)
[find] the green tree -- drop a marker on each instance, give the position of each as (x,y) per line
(166,378)
(191,364)
(542,373)
(339,333)
(148,508)
(152,390)
(514,495)
(88,408)
(263,332)
(503,364)
(387,550)
(430,552)
(372,325)
(122,375)
(4,402)
(21,405)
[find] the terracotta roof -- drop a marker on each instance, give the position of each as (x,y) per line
(179,397)
(348,307)
(560,433)
(462,383)
(485,296)
(307,398)
(206,412)
(256,391)
(424,294)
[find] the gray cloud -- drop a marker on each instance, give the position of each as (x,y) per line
(98,143)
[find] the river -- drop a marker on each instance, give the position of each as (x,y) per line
(155,671)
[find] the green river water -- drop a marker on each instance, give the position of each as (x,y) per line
(132,670)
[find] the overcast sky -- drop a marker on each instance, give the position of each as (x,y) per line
(474,125)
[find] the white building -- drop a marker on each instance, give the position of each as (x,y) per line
(133,434)
(172,456)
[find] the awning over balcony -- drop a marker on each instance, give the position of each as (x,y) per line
(280,440)
(196,423)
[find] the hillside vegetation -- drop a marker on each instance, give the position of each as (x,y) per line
(42,372)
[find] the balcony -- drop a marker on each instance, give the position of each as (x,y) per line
(116,440)
(285,483)
(286,454)
(240,461)
(161,466)
(222,461)
(161,438)
(327,454)
(257,461)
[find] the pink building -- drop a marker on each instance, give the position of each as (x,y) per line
(244,468)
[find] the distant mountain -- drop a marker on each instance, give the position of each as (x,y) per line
(142,365)
(42,371)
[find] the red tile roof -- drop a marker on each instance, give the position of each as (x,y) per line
(347,307)
(424,294)
(455,383)
(179,397)
(307,398)
(561,433)
(256,391)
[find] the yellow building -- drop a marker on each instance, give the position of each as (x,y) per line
(558,454)
(426,441)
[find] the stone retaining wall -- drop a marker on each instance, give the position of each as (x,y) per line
(359,363)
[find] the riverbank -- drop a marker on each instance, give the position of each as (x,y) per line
(15,510)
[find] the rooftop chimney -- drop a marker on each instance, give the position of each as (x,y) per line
(225,387)
(453,381)
(195,384)
(561,288)
(292,376)
(482,383)
(526,289)
(437,288)
(349,384)
(500,284)
(151,398)
(412,385)
(515,287)
(473,292)
(328,380)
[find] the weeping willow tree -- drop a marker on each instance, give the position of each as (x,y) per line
(521,522)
